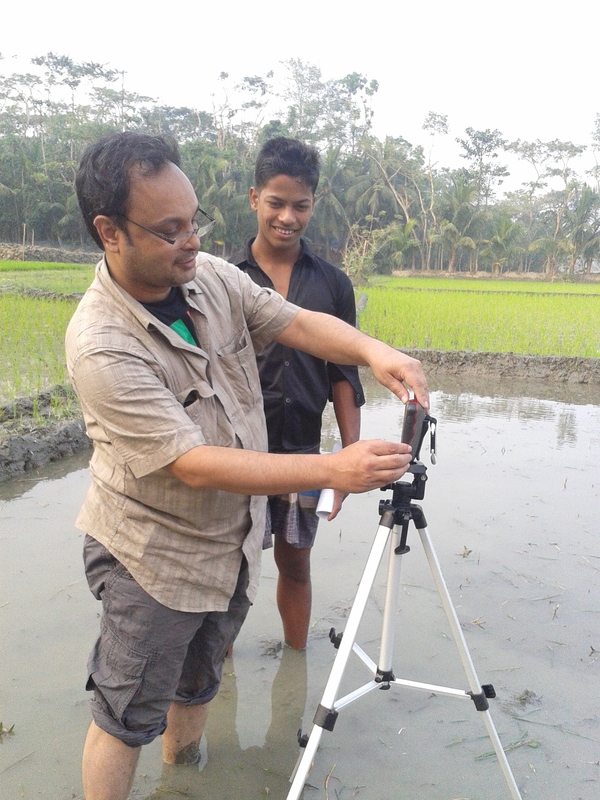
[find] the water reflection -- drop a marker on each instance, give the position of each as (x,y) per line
(512,505)
(469,399)
(9,490)
(230,772)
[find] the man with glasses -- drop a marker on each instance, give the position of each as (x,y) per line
(162,354)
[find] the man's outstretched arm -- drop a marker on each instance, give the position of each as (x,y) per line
(359,467)
(329,338)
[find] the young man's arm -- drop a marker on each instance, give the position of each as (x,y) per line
(347,414)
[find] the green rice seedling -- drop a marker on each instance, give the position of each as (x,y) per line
(32,354)
(55,278)
(36,266)
(6,731)
(484,285)
(524,323)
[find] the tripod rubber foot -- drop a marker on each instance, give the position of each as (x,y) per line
(335,638)
(302,738)
(480,700)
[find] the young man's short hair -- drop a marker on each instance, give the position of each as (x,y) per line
(283,156)
(103,178)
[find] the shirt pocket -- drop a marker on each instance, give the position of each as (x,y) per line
(201,405)
(239,372)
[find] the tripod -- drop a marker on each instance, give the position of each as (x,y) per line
(393,527)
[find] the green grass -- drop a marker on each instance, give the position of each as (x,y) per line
(530,318)
(527,323)
(484,285)
(36,266)
(59,278)
(32,357)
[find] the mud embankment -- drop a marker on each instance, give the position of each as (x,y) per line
(35,431)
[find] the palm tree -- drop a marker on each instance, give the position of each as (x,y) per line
(505,242)
(330,218)
(396,242)
(582,225)
(450,235)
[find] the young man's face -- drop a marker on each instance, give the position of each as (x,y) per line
(284,206)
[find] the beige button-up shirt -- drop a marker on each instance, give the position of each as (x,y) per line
(147,398)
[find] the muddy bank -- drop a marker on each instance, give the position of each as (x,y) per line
(37,430)
(18,252)
(31,434)
(545,368)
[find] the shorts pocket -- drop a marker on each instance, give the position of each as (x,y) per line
(116,674)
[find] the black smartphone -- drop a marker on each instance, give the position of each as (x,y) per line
(414,426)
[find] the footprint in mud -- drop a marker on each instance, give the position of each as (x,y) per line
(520,701)
(271,648)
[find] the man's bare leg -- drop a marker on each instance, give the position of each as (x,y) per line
(181,740)
(294,591)
(108,766)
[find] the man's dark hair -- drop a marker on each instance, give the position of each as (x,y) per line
(103,177)
(283,156)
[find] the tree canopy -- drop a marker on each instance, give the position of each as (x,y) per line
(381,204)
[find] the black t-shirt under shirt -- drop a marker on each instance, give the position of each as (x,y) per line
(174,312)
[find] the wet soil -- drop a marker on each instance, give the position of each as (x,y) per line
(37,430)
(512,506)
(31,435)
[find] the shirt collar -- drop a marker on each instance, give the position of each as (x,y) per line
(190,291)
(304,255)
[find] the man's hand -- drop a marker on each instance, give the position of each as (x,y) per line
(338,499)
(368,465)
(393,369)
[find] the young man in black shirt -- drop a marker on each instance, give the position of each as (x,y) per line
(295,385)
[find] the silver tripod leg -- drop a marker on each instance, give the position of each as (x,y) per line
(326,714)
(465,657)
(337,671)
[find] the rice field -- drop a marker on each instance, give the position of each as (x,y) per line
(32,358)
(45,277)
(483,316)
(486,285)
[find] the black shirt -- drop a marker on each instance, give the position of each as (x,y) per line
(295,385)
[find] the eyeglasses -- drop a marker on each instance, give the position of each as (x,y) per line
(200,227)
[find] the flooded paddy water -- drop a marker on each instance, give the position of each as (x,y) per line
(513,508)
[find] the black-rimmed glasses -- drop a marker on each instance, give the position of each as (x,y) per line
(201,225)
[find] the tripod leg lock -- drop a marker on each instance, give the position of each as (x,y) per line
(325,718)
(481,699)
(384,677)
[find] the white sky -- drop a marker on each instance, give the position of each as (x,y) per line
(525,67)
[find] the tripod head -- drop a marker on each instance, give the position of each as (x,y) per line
(400,509)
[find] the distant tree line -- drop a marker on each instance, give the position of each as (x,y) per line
(381,204)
